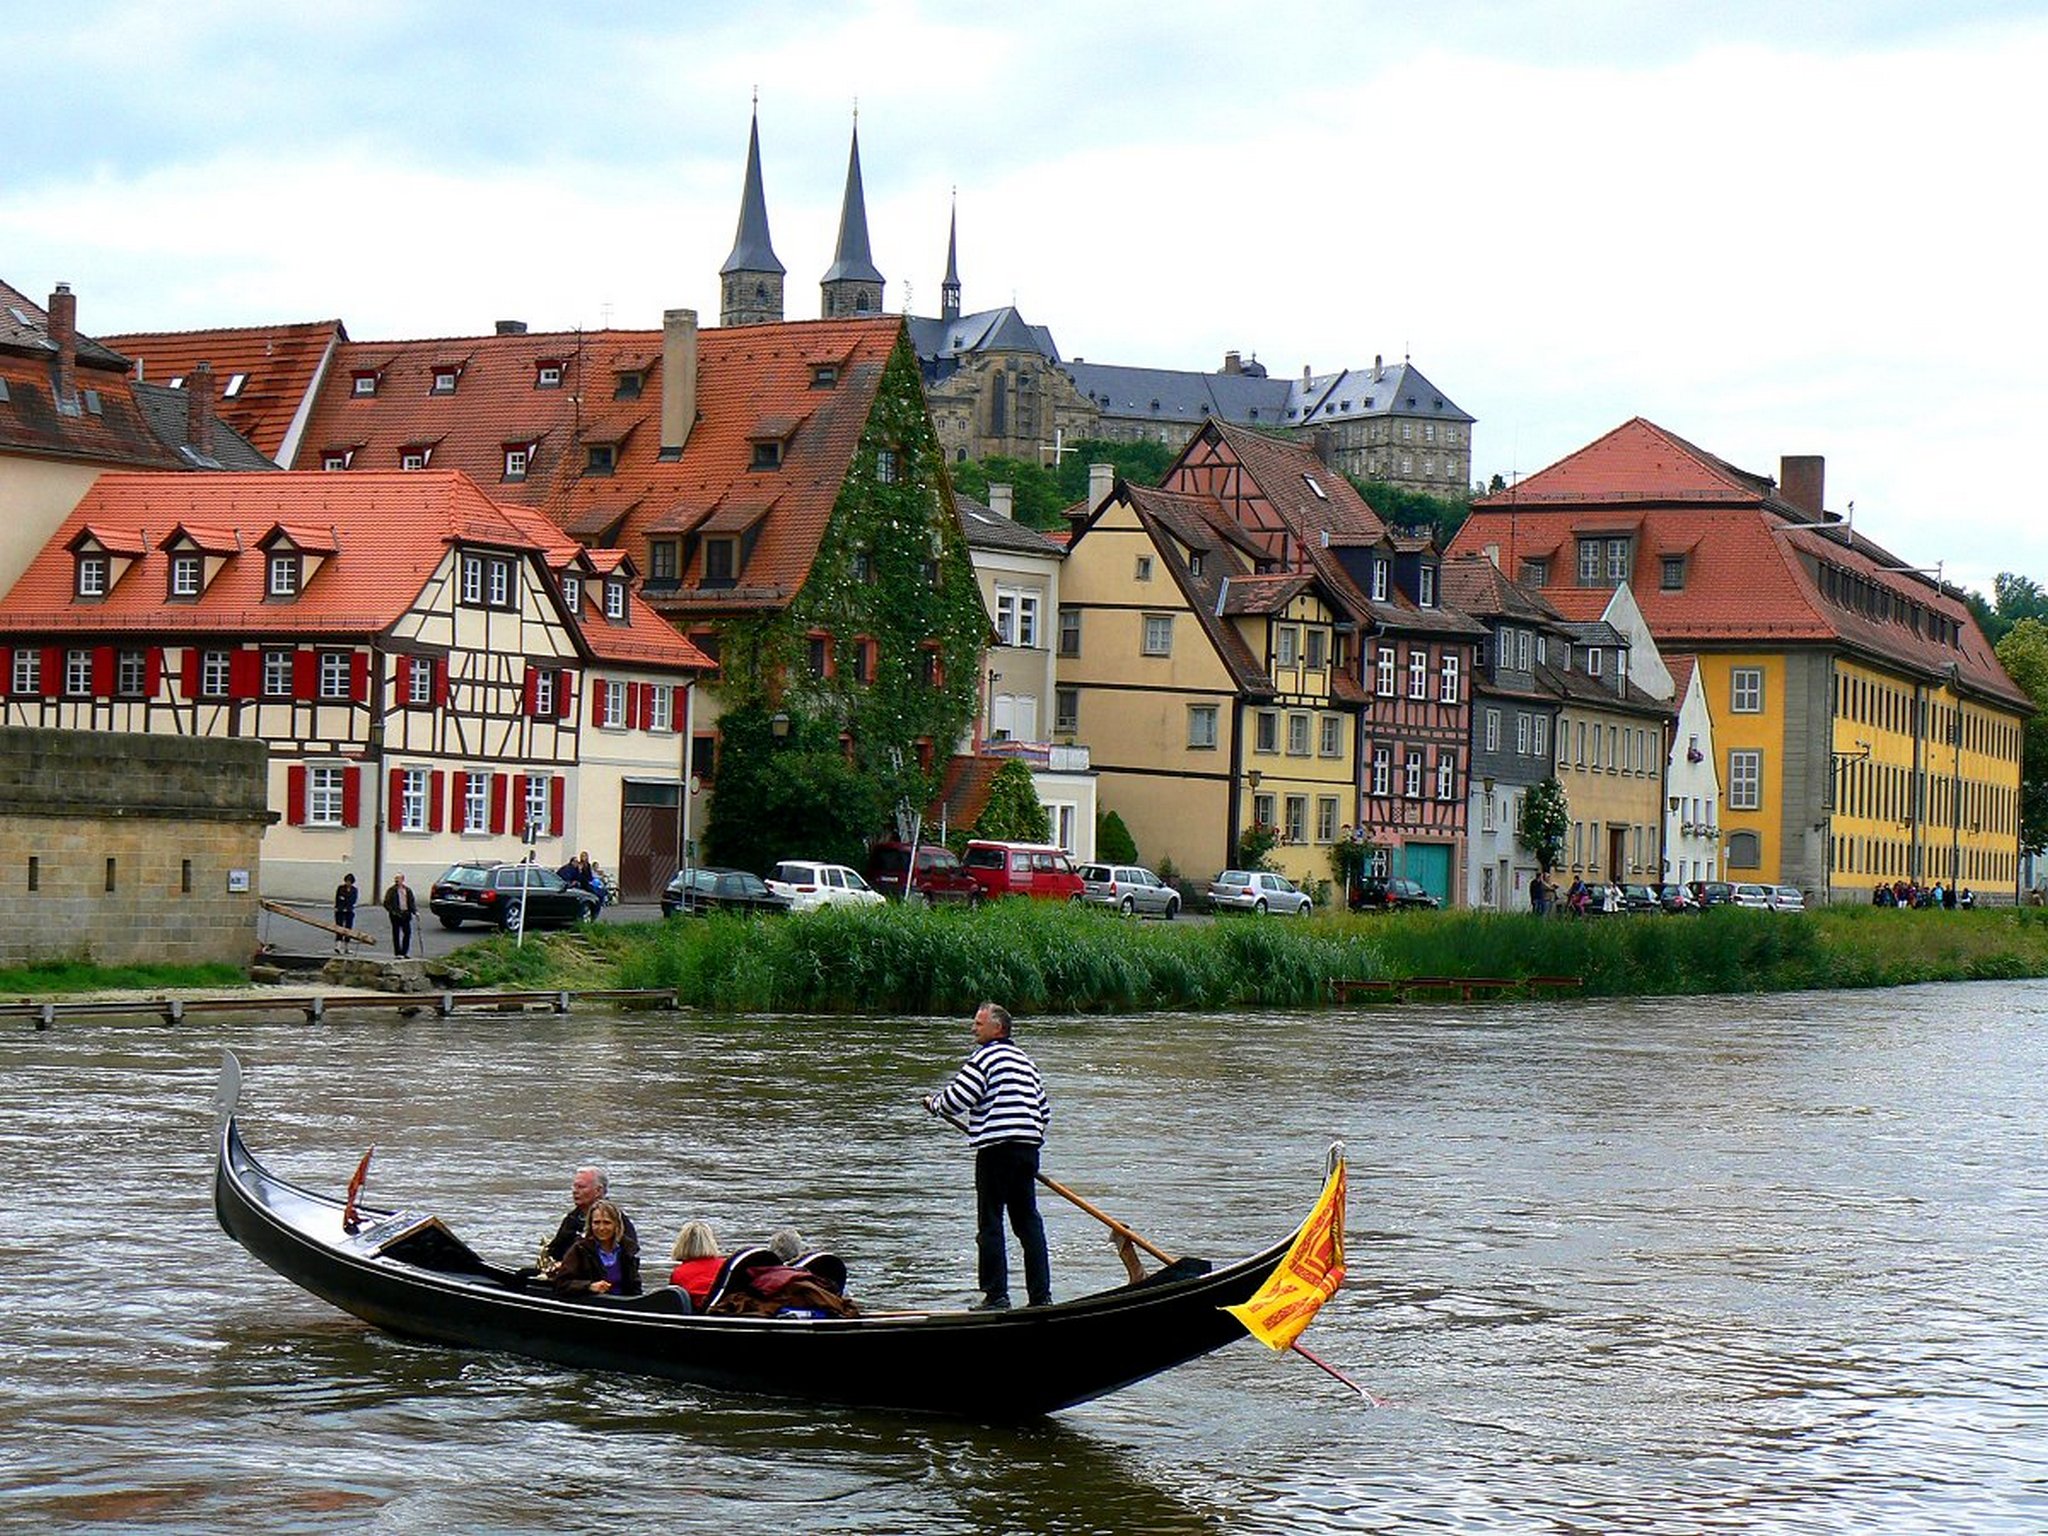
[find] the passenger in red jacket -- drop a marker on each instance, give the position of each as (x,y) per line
(698,1262)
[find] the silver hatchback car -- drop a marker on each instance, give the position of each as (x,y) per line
(1257,890)
(1129,888)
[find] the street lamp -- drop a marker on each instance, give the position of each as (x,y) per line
(778,726)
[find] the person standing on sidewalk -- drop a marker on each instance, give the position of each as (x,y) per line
(1000,1092)
(400,903)
(344,911)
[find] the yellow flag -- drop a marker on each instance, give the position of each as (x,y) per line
(1306,1278)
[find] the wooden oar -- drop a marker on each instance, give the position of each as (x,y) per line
(1127,1241)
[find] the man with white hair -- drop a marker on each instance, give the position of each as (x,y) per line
(589,1186)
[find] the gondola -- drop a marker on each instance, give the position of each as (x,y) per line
(407,1272)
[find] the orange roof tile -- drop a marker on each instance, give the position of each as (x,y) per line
(278,366)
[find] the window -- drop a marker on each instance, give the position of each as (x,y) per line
(1066,711)
(1418,672)
(1144,568)
(131,672)
(334,674)
(614,705)
(1539,735)
(1070,631)
(365,384)
(419,681)
(78,674)
(334,461)
(663,567)
(547,376)
(284,575)
(1332,733)
(1296,828)
(1016,616)
(1326,818)
(615,601)
(1522,732)
(1286,645)
(1383,667)
(277,674)
(1262,810)
(498,583)
(92,575)
(515,463)
(412,458)
(1446,774)
(1411,774)
(1617,561)
(445,380)
(661,708)
(1674,573)
(1746,684)
(1535,573)
(886,464)
(544,683)
(1318,648)
(1593,654)
(767,455)
(1745,779)
(1266,731)
(1382,770)
(1492,737)
(1202,726)
(1379,579)
(1158,634)
(472,580)
(476,802)
(825,376)
(600,458)
(818,656)
(631,382)
(325,796)
(1596,746)
(1447,682)
(1297,735)
(720,562)
(185,573)
(1603,562)
(413,789)
(1425,591)
(1745,850)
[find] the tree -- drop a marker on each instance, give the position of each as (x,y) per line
(1013,813)
(1113,841)
(1546,821)
(1349,861)
(2024,654)
(2014,597)
(1412,509)
(788,797)
(1041,496)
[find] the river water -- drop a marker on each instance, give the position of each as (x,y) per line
(1751,1264)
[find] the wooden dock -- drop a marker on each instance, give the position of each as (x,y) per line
(313,1007)
(1344,990)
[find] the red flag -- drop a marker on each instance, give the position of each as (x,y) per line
(350,1222)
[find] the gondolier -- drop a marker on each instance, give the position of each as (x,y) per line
(1000,1092)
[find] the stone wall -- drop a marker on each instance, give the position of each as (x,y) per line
(119,849)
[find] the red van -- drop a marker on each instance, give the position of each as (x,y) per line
(1042,870)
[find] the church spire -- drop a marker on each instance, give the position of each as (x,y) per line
(750,282)
(852,286)
(949,291)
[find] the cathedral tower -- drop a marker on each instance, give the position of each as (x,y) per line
(852,286)
(750,282)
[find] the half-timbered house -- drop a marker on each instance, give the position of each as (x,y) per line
(438,676)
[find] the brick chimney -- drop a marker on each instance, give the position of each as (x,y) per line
(64,334)
(511,327)
(1233,362)
(1324,443)
(678,380)
(1001,499)
(1101,481)
(199,410)
(1802,481)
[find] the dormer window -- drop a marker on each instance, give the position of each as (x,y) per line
(185,574)
(602,458)
(284,574)
(825,376)
(663,566)
(1592,661)
(1535,573)
(518,459)
(93,571)
(615,601)
(572,593)
(1194,562)
(1673,573)
(336,458)
(1425,589)
(415,456)
(547,375)
(720,561)
(631,383)
(767,455)
(445,380)
(365,383)
(1380,570)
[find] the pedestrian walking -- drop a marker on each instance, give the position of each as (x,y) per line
(402,908)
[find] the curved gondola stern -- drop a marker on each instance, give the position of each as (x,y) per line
(228,1092)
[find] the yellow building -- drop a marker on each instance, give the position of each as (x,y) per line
(1209,687)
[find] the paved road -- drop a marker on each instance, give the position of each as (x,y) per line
(429,937)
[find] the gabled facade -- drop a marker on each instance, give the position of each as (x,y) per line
(1612,742)
(437,676)
(1864,729)
(1210,685)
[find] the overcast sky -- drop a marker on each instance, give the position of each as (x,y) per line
(1770,228)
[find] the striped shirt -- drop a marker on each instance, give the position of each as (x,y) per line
(1000,1092)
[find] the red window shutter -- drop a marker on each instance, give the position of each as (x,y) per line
(295,795)
(189,673)
(498,803)
(401,684)
(152,671)
(103,672)
(555,788)
(531,701)
(395,814)
(53,672)
(351,797)
(440,665)
(458,796)
(359,677)
(435,787)
(597,693)
(565,692)
(305,675)
(519,805)
(245,674)
(6,671)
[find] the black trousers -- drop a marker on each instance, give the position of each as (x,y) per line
(1006,1184)
(401,933)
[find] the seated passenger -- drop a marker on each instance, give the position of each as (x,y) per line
(698,1262)
(604,1261)
(787,1244)
(587,1187)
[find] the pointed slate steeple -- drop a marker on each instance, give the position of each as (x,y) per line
(949,291)
(852,286)
(750,282)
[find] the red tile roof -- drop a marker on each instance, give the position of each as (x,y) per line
(116,433)
(1752,571)
(389,533)
(279,366)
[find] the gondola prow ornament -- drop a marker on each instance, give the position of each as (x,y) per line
(351,1223)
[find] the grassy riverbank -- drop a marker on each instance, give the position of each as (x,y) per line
(1042,959)
(1074,960)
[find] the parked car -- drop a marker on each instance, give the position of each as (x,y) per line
(809,885)
(940,876)
(488,891)
(1639,898)
(1676,897)
(1040,870)
(703,888)
(1744,894)
(1713,893)
(1129,888)
(1374,894)
(1787,898)
(1257,890)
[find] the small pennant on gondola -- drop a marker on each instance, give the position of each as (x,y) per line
(1280,1309)
(351,1223)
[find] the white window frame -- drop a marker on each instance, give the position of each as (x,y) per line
(1447,679)
(278,667)
(1326,818)
(1425,586)
(215,674)
(661,709)
(545,701)
(572,593)
(1017,610)
(1382,771)
(1539,735)
(1286,645)
(93,571)
(1330,732)
(414,787)
(1411,774)
(324,794)
(186,571)
(615,600)
(1202,727)
(1383,671)
(1297,735)
(476,801)
(1521,733)
(419,681)
(1418,672)
(284,575)
(333,675)
(615,695)
(1446,773)
(539,800)
(1746,690)
(1381,569)
(1745,779)
(1295,828)
(1493,729)
(516,460)
(1158,638)
(473,580)
(498,583)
